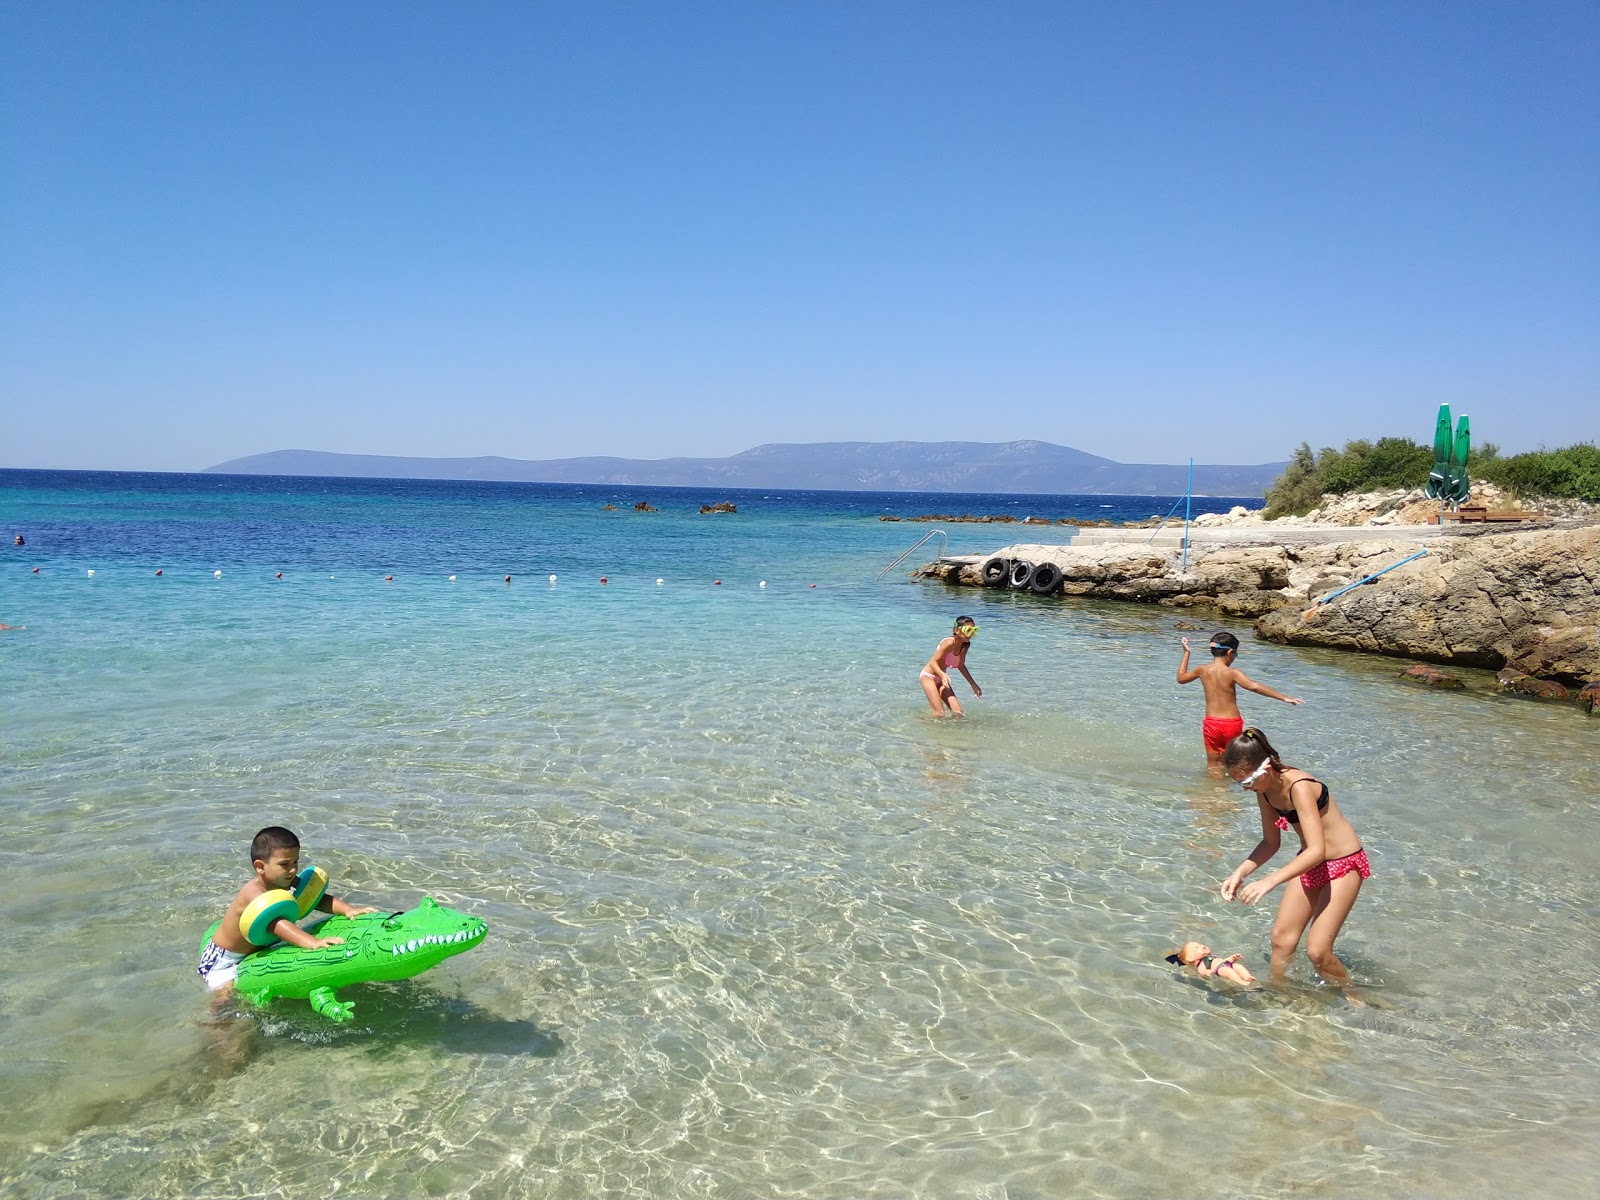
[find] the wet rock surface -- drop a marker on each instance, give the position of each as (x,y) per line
(1431,675)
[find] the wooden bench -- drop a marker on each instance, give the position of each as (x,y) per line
(1480,512)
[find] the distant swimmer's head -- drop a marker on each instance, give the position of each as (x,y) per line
(1223,644)
(966,627)
(17,541)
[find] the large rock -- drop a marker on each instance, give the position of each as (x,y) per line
(1431,675)
(1529,599)
(1526,685)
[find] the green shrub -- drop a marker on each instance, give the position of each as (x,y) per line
(1299,488)
(1391,462)
(1394,462)
(1572,473)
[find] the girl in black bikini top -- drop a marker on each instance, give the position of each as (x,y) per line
(1291,815)
(1329,867)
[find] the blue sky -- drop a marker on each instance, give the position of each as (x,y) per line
(1147,230)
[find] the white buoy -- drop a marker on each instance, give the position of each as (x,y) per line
(452,579)
(552,579)
(91,572)
(659,582)
(763,583)
(216,574)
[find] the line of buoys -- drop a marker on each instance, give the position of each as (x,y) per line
(605,579)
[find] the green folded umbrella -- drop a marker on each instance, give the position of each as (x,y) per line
(1443,444)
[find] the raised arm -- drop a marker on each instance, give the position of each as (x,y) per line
(1185,675)
(1260,689)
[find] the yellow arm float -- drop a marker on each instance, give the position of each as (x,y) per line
(267,909)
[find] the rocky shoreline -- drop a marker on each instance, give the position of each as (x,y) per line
(1522,601)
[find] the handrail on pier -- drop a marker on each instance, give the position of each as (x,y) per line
(944,546)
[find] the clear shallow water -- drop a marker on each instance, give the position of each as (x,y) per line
(758,925)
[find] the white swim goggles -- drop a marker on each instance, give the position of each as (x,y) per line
(1255,775)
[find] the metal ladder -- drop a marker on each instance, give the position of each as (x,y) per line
(944,546)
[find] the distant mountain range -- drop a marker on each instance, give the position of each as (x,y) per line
(1035,467)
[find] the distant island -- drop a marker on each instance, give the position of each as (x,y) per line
(1027,466)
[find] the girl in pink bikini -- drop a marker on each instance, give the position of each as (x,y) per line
(1331,864)
(950,655)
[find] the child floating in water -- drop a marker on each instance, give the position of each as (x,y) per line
(275,855)
(1220,677)
(1198,955)
(950,654)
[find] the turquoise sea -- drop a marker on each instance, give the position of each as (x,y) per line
(759,927)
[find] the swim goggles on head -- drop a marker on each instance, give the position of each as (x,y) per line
(967,631)
(1255,775)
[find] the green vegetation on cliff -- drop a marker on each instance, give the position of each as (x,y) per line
(1572,473)
(1394,462)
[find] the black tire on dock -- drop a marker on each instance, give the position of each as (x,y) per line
(1047,579)
(996,571)
(1021,573)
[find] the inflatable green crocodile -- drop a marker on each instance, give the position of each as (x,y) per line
(375,947)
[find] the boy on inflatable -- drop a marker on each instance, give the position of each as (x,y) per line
(267,908)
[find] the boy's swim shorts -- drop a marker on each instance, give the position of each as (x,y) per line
(1219,731)
(218,967)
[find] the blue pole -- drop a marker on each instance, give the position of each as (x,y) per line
(1184,568)
(1165,519)
(1366,579)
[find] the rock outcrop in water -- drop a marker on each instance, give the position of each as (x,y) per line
(1527,600)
